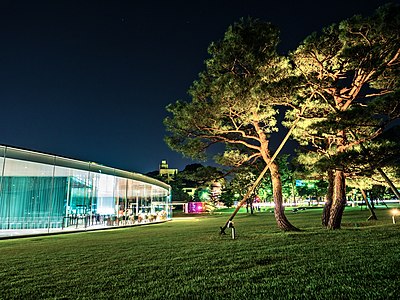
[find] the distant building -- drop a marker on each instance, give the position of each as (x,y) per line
(166,173)
(216,189)
(190,191)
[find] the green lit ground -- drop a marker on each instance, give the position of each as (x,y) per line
(188,259)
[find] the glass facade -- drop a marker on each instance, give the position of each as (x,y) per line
(42,191)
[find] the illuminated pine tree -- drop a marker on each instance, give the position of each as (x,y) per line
(235,103)
(352,72)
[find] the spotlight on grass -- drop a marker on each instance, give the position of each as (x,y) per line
(395,212)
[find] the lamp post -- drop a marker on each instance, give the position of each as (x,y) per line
(292,181)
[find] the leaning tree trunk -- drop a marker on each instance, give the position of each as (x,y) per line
(281,220)
(339,200)
(389,182)
(329,199)
(373,215)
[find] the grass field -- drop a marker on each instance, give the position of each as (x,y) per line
(187,259)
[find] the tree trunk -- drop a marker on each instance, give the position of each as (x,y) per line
(329,199)
(279,211)
(373,215)
(255,184)
(339,200)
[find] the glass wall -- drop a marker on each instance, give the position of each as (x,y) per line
(41,191)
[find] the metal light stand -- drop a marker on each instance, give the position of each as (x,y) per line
(233,230)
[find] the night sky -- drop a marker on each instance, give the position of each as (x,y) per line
(90,79)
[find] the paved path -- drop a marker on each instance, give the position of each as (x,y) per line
(21,233)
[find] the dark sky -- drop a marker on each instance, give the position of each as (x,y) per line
(90,79)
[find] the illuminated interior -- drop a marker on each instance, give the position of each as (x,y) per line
(42,191)
(195,207)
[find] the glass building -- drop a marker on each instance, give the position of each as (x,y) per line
(53,193)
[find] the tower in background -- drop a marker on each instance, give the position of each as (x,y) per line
(167,173)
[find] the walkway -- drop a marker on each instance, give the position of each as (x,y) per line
(22,233)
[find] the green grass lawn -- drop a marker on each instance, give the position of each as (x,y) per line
(188,259)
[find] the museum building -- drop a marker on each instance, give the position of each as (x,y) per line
(53,193)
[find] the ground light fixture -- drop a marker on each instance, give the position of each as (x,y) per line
(233,230)
(395,212)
